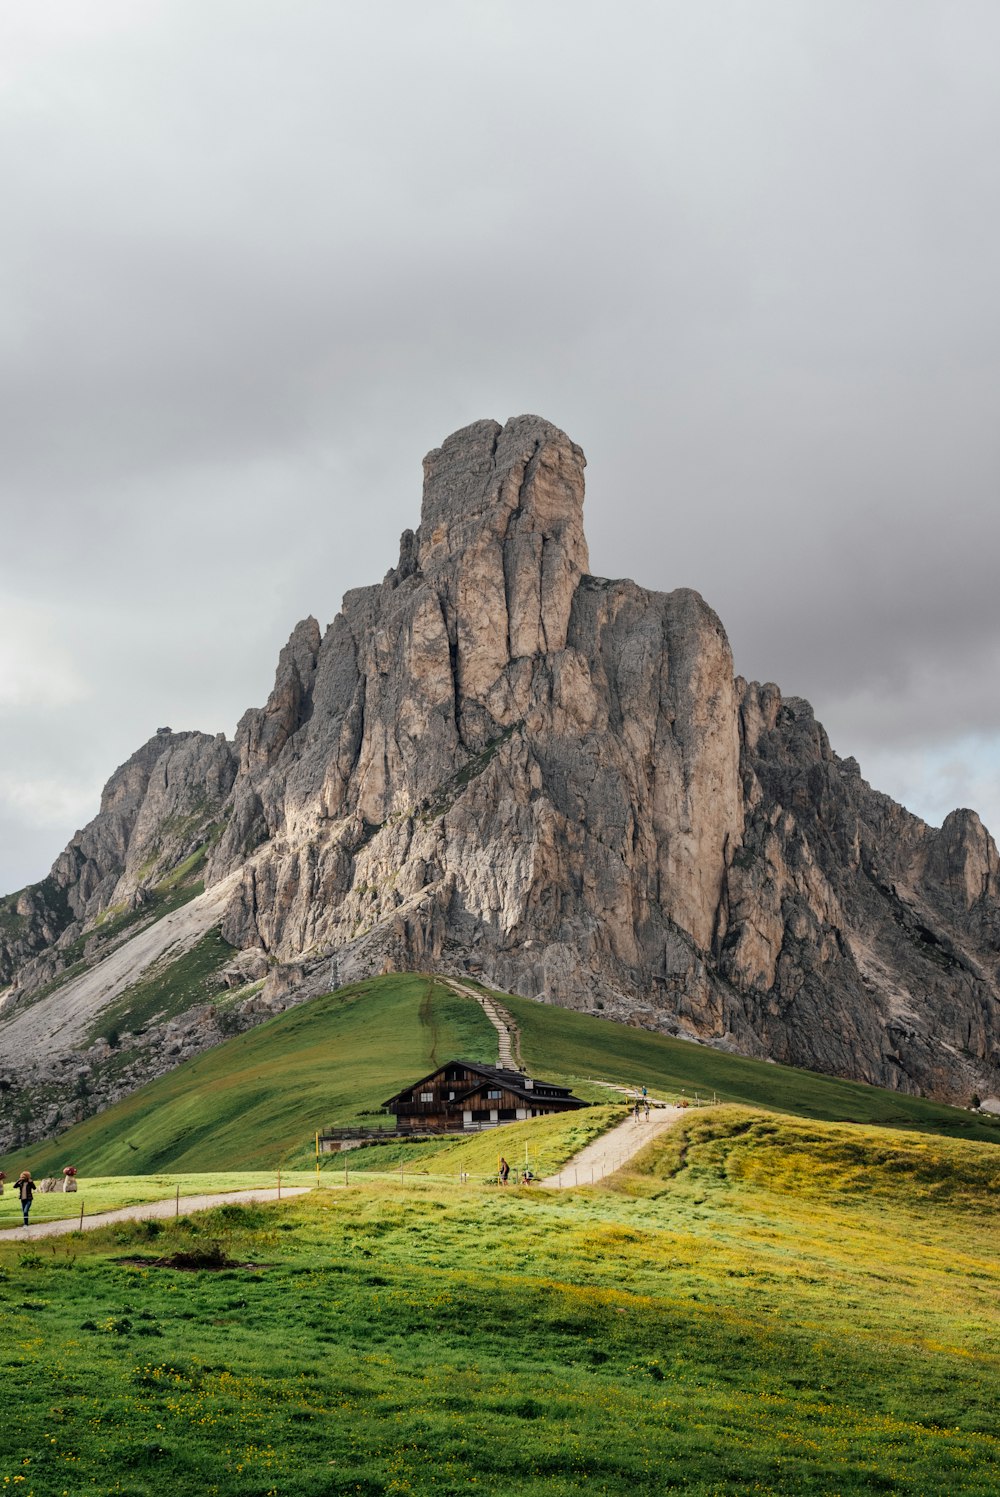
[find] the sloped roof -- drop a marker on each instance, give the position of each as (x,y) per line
(513,1081)
(536,1098)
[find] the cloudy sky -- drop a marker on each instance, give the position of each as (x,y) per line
(259,255)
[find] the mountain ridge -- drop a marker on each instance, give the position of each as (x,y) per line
(495,763)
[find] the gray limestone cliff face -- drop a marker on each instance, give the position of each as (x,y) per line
(168,800)
(861,941)
(497,755)
(495,763)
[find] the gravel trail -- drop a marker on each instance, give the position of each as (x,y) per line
(148,1211)
(613,1149)
(507,1034)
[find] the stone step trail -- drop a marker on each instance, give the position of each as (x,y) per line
(502,1022)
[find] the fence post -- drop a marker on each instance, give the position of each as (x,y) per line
(81,1213)
(177,1202)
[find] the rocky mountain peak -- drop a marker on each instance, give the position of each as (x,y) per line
(963,858)
(494,763)
(262,735)
(499,551)
(487,475)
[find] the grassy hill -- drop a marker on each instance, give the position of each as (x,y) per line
(581,1046)
(759,1304)
(256,1101)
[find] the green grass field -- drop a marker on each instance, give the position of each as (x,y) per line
(256,1101)
(98,1193)
(543,1143)
(759,1305)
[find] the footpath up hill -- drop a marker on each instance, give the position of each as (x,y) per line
(256,1100)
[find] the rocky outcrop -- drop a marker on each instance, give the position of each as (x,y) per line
(161,808)
(865,941)
(494,751)
(494,762)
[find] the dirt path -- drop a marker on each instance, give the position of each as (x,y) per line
(508,1038)
(149,1210)
(605,1155)
(612,1149)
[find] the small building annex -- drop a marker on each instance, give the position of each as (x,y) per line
(463,1094)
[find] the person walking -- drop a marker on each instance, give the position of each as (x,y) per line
(26,1189)
(504,1170)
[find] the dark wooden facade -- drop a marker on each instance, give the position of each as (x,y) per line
(465,1095)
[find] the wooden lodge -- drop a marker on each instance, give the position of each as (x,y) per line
(463,1095)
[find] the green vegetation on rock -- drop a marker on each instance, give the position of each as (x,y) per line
(168,989)
(114,924)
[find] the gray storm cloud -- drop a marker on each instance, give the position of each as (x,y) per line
(258,258)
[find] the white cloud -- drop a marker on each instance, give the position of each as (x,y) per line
(36,668)
(259,258)
(46,801)
(930,782)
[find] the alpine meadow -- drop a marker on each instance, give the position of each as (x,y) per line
(513,490)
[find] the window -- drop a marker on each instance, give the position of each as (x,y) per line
(427,1096)
(493,1094)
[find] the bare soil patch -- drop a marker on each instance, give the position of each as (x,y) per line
(205,1260)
